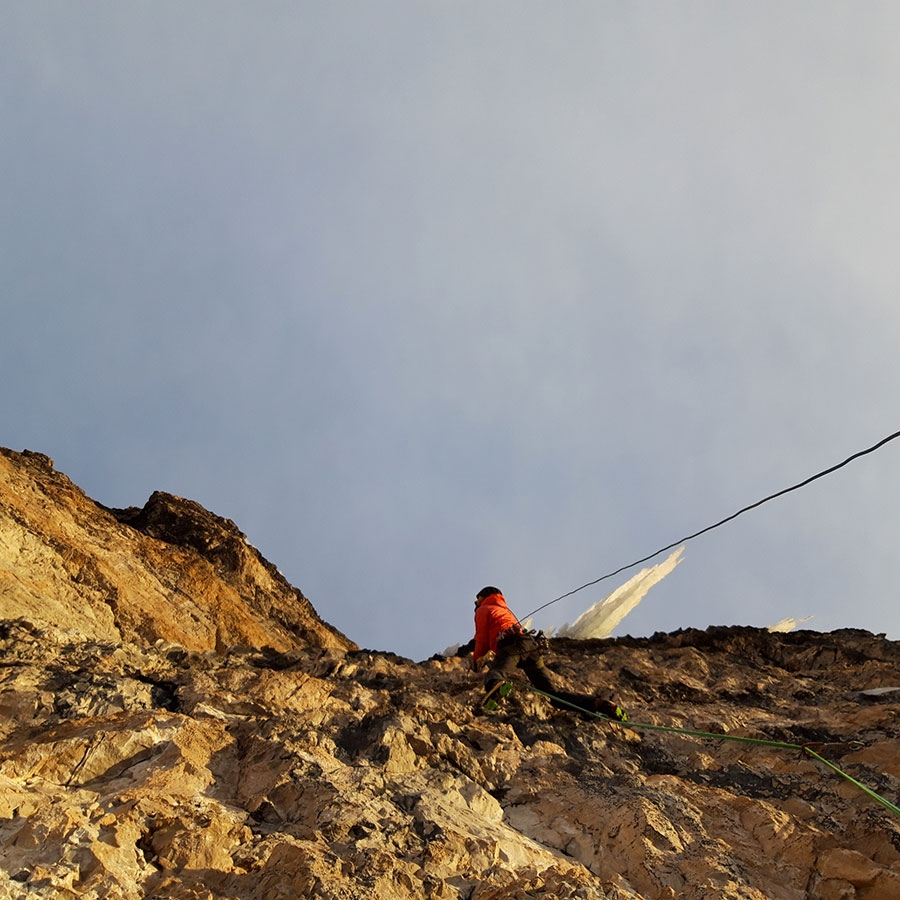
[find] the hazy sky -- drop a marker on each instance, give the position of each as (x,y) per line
(427,296)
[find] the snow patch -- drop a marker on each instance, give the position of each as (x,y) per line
(878,692)
(599,620)
(788,624)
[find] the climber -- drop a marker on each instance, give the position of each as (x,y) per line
(497,630)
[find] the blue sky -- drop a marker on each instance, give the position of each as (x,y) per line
(426,296)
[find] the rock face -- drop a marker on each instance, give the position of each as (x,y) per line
(177,722)
(171,571)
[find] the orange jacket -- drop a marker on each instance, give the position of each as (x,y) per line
(492,616)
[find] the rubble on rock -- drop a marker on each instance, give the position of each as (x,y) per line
(245,749)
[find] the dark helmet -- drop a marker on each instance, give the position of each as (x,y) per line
(487,591)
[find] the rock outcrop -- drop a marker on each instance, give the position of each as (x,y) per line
(247,750)
(171,571)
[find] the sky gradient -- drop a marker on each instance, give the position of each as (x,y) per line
(428,296)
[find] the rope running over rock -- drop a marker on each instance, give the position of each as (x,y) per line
(806,749)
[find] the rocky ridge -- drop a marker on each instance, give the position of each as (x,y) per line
(170,571)
(245,749)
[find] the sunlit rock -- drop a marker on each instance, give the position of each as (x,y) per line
(178,722)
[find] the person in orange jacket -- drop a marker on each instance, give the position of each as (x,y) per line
(497,630)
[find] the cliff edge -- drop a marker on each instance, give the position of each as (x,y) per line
(177,723)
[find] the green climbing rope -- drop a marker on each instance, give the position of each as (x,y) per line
(807,749)
(712,735)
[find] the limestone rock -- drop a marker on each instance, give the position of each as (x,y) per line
(171,571)
(237,747)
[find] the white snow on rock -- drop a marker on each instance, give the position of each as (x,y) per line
(788,624)
(599,620)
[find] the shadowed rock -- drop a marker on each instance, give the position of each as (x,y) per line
(238,747)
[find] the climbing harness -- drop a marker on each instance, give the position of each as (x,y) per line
(510,632)
(806,749)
